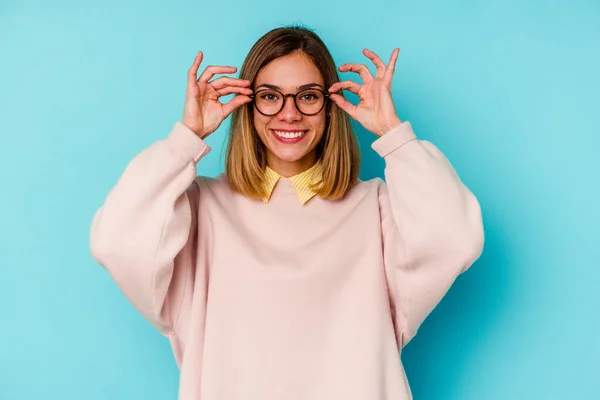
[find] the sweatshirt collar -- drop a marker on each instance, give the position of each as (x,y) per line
(301,183)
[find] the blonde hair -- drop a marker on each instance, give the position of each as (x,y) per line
(338,149)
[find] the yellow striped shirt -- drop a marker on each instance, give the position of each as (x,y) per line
(301,182)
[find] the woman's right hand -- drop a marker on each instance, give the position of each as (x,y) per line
(203,112)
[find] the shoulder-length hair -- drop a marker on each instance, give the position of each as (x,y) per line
(337,150)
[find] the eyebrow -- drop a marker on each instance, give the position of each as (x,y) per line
(275,87)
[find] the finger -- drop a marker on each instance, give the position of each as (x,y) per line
(391,67)
(377,61)
(212,70)
(233,89)
(344,104)
(234,103)
(193,71)
(361,69)
(225,81)
(345,85)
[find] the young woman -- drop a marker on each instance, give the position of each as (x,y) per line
(287,278)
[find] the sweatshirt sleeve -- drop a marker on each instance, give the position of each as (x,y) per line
(431,224)
(143,233)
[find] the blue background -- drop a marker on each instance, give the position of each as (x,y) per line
(508,90)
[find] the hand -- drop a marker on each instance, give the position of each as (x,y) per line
(203,112)
(376,111)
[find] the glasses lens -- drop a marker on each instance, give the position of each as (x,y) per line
(268,101)
(310,101)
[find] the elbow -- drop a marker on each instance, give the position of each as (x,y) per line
(473,234)
(104,244)
(474,248)
(98,248)
(101,248)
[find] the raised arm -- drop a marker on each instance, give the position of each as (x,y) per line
(431,224)
(144,233)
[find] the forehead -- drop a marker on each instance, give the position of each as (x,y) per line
(290,72)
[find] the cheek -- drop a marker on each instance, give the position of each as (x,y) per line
(318,123)
(260,121)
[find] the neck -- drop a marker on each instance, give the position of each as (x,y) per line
(291,168)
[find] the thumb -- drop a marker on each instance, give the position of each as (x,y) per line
(234,103)
(344,104)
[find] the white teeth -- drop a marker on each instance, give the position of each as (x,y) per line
(289,135)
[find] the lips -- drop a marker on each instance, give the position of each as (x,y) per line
(289,136)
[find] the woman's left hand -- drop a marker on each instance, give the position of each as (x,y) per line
(376,110)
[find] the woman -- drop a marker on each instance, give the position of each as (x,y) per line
(287,277)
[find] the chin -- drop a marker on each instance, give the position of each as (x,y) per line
(290,149)
(289,156)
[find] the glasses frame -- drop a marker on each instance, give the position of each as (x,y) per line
(293,96)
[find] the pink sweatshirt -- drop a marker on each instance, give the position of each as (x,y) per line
(283,301)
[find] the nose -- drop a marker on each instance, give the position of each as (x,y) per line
(289,113)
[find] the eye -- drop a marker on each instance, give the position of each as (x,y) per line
(312,96)
(269,96)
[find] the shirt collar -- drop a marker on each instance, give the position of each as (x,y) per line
(301,182)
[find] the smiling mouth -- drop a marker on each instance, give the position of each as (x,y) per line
(289,134)
(289,137)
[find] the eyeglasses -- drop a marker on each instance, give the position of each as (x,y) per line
(309,102)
